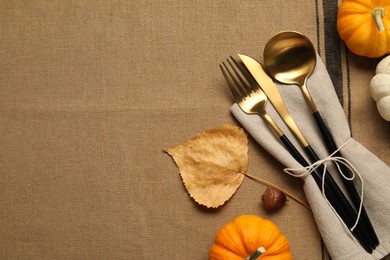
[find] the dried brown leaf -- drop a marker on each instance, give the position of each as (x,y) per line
(212,164)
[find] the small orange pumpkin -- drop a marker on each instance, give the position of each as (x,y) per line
(247,237)
(364,25)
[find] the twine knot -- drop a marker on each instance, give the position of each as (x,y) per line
(337,160)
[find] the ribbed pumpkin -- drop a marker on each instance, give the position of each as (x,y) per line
(380,88)
(364,25)
(243,236)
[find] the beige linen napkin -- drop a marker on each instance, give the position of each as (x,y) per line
(374,172)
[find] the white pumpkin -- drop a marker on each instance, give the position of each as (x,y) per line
(380,88)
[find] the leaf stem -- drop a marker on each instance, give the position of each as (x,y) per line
(265,182)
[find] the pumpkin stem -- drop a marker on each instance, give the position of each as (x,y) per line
(378,13)
(256,254)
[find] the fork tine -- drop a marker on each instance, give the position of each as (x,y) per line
(240,89)
(243,87)
(248,76)
(236,94)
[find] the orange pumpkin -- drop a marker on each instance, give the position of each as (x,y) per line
(364,25)
(248,236)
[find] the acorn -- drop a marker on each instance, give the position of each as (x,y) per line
(273,199)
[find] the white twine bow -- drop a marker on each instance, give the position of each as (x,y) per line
(305,171)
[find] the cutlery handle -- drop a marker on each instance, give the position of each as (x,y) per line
(341,199)
(358,232)
(329,181)
(329,193)
(330,143)
(293,151)
(351,189)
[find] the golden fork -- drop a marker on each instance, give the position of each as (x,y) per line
(252,100)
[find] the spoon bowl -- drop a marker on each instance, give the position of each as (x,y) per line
(290,57)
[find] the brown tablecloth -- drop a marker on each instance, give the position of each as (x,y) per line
(92,91)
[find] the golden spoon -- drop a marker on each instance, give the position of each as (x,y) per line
(290,58)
